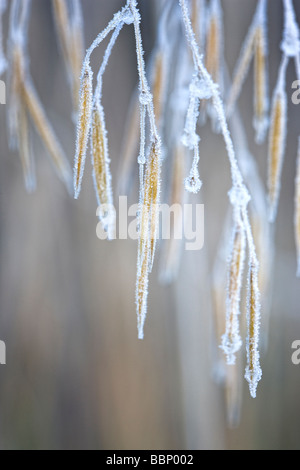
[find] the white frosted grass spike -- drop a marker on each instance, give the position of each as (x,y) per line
(101,171)
(253,372)
(150,184)
(277,141)
(142,295)
(83,126)
(297,209)
(231,340)
(291,42)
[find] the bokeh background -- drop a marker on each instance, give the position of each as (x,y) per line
(76,375)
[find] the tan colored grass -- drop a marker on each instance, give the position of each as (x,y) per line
(260,76)
(252,327)
(99,156)
(150,199)
(253,370)
(83,128)
(231,341)
(235,280)
(276,152)
(142,291)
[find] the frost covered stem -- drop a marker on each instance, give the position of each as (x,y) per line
(144,87)
(117,19)
(235,172)
(106,57)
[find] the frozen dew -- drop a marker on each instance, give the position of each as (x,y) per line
(192,183)
(145,98)
(201,89)
(128,17)
(190,140)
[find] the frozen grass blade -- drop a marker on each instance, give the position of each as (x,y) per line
(253,370)
(231,341)
(150,207)
(149,212)
(101,171)
(277,139)
(142,290)
(83,127)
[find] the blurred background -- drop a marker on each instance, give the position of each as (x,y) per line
(77,377)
